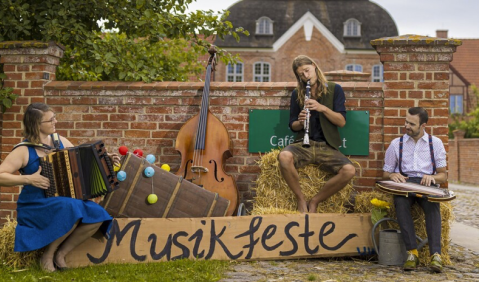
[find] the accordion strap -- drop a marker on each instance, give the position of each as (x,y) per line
(56,143)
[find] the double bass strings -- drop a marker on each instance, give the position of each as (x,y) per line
(201,131)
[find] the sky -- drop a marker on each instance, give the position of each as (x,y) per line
(421,17)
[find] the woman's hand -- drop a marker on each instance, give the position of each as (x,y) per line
(38,180)
(115,158)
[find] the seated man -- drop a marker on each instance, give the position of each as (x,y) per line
(420,158)
(327,113)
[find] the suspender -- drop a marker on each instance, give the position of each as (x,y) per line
(431,151)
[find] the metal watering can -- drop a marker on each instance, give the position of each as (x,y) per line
(391,250)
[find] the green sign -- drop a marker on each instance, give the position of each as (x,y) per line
(269,129)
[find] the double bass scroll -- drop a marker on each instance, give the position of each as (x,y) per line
(204,144)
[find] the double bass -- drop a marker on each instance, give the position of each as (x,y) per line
(204,144)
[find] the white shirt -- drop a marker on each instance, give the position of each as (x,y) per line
(416,157)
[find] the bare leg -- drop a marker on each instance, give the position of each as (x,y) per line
(332,186)
(46,262)
(80,234)
(290,175)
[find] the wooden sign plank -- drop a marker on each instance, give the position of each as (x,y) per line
(135,240)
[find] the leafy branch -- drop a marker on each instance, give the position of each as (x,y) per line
(6,95)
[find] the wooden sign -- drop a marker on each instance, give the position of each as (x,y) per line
(134,240)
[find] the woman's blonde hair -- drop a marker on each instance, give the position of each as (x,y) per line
(302,60)
(32,120)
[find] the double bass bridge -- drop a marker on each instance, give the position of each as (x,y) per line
(198,169)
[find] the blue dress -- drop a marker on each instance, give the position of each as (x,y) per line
(42,220)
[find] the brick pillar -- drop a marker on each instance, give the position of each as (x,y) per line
(29,65)
(416,74)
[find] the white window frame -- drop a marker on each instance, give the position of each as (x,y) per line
(380,76)
(261,76)
(354,67)
(264,26)
(352,28)
(453,106)
(235,75)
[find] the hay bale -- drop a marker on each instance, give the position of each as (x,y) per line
(274,196)
(363,205)
(7,255)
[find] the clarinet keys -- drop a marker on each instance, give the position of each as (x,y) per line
(306,122)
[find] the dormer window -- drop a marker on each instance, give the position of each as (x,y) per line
(352,28)
(264,25)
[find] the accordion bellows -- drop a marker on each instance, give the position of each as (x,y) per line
(176,197)
(82,172)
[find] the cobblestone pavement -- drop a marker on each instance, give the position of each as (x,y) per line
(466,206)
(465,263)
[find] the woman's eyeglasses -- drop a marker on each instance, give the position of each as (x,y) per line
(50,120)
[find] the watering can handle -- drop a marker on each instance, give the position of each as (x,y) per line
(376,248)
(422,242)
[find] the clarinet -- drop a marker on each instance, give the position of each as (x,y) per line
(306,122)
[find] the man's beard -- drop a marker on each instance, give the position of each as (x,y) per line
(412,133)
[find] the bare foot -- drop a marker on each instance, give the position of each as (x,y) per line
(313,207)
(60,260)
(47,264)
(302,206)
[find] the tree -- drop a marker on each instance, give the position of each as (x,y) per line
(128,40)
(470,125)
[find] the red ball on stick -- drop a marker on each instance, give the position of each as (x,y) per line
(138,153)
(123,150)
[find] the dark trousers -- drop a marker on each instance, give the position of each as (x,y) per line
(433,222)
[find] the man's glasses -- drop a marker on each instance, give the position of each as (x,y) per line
(50,120)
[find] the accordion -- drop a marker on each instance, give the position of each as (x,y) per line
(82,172)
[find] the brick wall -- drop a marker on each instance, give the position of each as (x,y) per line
(149,116)
(416,73)
(463,165)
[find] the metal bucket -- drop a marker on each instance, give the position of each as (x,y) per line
(392,250)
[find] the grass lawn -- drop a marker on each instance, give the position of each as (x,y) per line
(180,270)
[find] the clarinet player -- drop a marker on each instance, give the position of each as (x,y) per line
(327,112)
(57,223)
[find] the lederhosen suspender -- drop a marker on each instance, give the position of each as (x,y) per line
(431,150)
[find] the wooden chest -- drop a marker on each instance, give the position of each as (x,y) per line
(176,197)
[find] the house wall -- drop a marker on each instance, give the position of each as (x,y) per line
(149,116)
(318,48)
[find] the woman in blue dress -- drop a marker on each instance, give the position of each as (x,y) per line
(57,223)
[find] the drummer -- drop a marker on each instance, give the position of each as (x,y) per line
(420,158)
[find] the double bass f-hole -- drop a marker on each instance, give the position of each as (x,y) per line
(200,169)
(204,145)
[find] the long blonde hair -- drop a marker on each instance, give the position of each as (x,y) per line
(32,120)
(302,60)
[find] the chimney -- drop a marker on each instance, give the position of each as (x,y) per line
(441,33)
